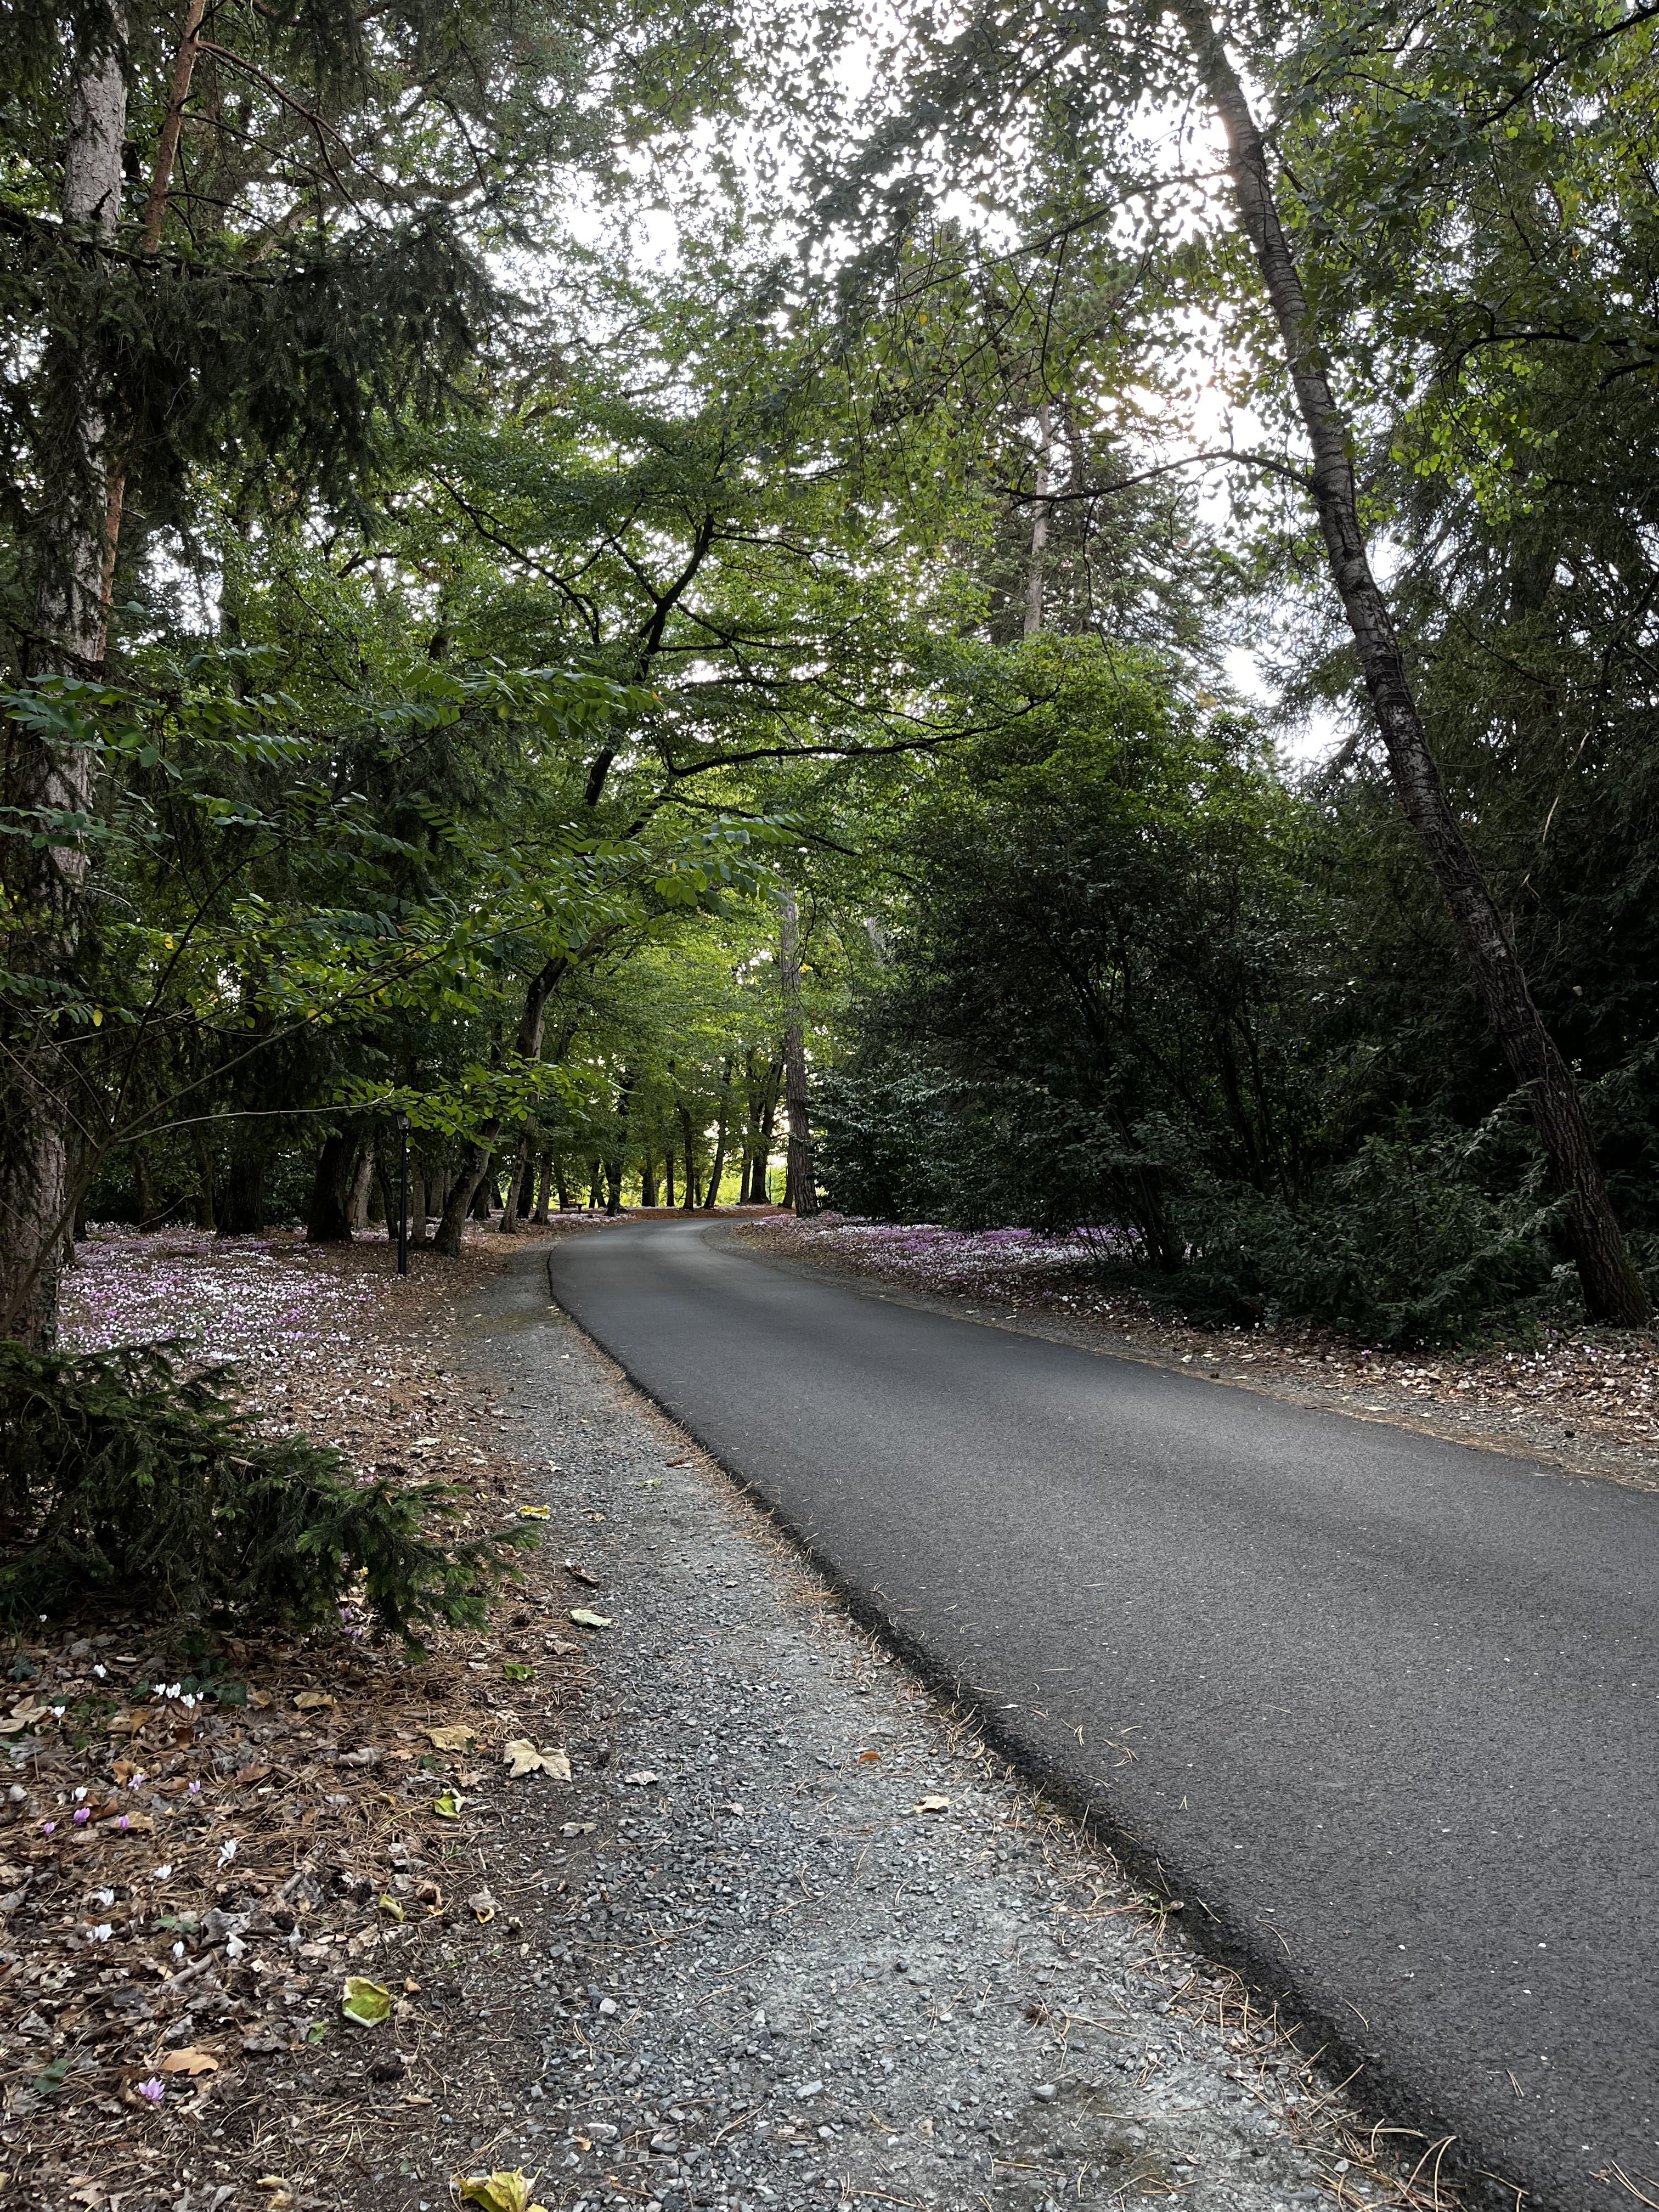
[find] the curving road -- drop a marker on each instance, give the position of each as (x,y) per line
(1385,1708)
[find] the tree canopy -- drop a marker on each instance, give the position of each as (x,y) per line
(1077,625)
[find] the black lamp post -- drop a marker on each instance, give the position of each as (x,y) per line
(402,1120)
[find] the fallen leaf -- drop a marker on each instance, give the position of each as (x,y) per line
(561,1646)
(497,2192)
(455,1738)
(282,2196)
(582,1575)
(312,1701)
(868,1758)
(483,1906)
(515,1670)
(643,1780)
(523,1757)
(448,1806)
(365,2001)
(389,1904)
(579,1827)
(246,1774)
(534,1512)
(584,1618)
(934,1804)
(189,2061)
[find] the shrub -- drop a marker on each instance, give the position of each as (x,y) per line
(1403,1244)
(122,1474)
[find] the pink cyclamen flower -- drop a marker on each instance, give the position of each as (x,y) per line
(152,2091)
(195,1788)
(83,1814)
(48,1827)
(124,1823)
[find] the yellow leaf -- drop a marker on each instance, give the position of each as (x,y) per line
(453,1739)
(523,1757)
(497,2192)
(311,1701)
(190,2060)
(448,1806)
(365,2001)
(584,1618)
(534,1512)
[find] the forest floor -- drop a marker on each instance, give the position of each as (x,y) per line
(1585,1402)
(788,1935)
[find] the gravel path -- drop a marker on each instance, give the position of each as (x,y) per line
(817,1944)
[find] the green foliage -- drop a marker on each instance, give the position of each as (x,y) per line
(1408,1242)
(127,1478)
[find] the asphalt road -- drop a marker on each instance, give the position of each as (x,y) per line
(1384,1709)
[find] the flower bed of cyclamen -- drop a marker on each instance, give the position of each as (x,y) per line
(1020,1264)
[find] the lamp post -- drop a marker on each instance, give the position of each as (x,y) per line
(402,1120)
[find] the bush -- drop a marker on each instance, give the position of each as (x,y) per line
(1403,1244)
(123,1475)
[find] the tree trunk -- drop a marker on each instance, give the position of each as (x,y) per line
(668,1178)
(617,1159)
(328,1217)
(485,1195)
(243,1214)
(417,1207)
(768,1128)
(800,1186)
(711,1198)
(689,1198)
(144,1186)
(648,1179)
(544,1188)
(1612,1289)
(560,1183)
(204,1159)
(1034,574)
(521,1168)
(362,1177)
(527,1046)
(43,884)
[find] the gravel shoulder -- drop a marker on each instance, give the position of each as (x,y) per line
(1585,1405)
(818,1944)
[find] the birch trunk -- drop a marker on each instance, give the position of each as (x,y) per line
(1612,1289)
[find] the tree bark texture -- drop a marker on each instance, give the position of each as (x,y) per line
(800,1181)
(328,1217)
(243,1214)
(43,887)
(1612,1289)
(513,1209)
(527,1046)
(712,1196)
(363,1182)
